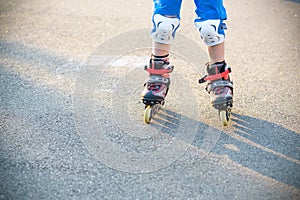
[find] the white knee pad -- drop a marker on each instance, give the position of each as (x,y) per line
(209,32)
(164,28)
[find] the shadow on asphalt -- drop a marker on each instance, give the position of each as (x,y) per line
(296,1)
(30,55)
(38,135)
(257,144)
(265,147)
(168,122)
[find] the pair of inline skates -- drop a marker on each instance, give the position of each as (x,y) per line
(156,88)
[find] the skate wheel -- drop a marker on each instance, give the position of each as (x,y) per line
(147,114)
(224,117)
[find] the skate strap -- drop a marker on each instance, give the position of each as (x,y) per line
(159,71)
(214,77)
(157,79)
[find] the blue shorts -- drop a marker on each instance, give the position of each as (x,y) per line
(205,9)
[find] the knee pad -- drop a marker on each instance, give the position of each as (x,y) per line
(211,31)
(164,28)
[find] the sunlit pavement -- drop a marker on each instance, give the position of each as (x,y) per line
(71,120)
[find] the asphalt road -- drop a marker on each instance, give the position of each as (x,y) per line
(71,122)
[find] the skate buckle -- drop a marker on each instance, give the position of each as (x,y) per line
(203,79)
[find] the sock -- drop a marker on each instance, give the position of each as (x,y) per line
(222,62)
(164,56)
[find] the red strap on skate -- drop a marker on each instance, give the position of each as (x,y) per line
(158,71)
(215,77)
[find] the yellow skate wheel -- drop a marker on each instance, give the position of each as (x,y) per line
(224,117)
(147,114)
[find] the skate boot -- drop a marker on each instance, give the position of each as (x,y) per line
(220,88)
(157,86)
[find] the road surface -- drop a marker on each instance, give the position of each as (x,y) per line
(71,121)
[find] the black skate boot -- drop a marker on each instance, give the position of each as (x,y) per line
(220,88)
(157,86)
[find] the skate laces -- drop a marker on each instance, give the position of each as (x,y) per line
(219,90)
(153,86)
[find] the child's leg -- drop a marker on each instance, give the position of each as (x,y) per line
(165,20)
(209,22)
(216,53)
(165,23)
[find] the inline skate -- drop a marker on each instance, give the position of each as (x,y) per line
(157,86)
(220,88)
